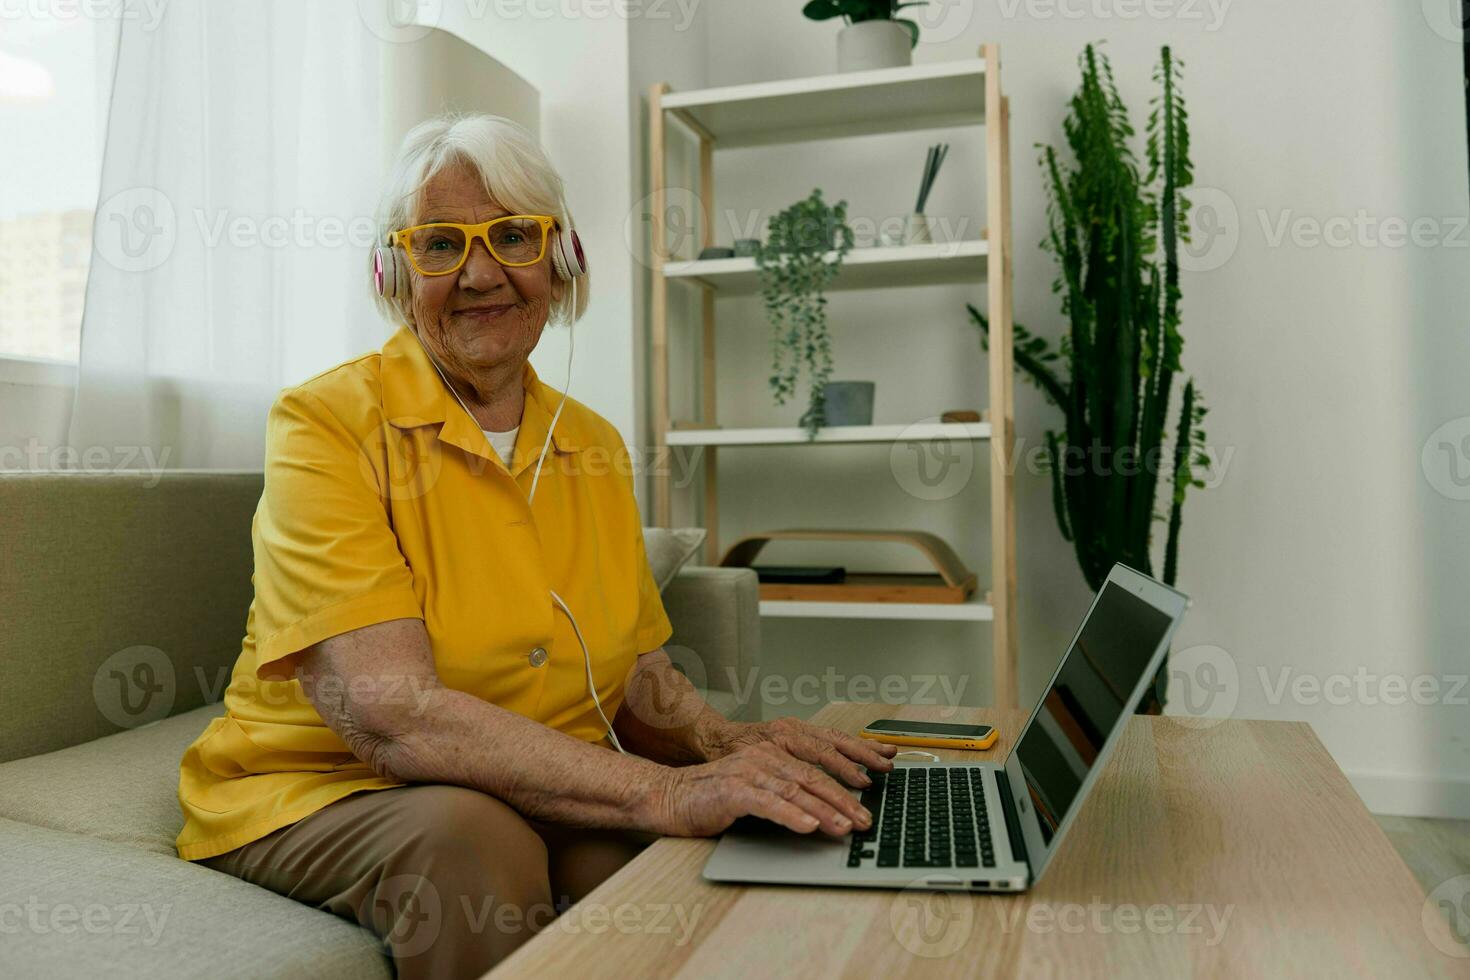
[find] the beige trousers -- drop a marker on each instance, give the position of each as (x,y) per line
(451,880)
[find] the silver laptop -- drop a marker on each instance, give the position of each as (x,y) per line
(982,826)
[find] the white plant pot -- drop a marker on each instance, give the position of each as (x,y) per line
(873,44)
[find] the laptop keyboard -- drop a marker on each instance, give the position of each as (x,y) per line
(925,817)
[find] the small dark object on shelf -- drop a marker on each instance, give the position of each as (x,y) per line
(960,415)
(717,252)
(800,574)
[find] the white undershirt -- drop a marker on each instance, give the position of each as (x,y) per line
(504,443)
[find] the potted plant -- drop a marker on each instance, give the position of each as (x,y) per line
(875,36)
(794,271)
(1115,236)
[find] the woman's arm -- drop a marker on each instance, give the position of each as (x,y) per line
(377,689)
(663,717)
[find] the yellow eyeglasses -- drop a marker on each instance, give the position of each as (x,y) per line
(441,248)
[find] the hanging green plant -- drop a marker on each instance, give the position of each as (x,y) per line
(803,251)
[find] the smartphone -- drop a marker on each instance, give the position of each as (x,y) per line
(932,733)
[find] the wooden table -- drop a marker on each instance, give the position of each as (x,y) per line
(1234,850)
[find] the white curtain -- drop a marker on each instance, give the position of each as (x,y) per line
(240,174)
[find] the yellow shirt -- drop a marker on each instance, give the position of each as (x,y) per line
(383,500)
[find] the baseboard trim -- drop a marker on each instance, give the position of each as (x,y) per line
(1395,794)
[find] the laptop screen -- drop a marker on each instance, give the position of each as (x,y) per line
(1097,678)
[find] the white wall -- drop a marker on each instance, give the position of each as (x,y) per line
(579,66)
(1324,550)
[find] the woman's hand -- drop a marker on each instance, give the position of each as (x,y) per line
(760,778)
(838,752)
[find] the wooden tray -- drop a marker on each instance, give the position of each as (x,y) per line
(950,582)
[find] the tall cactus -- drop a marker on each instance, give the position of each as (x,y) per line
(1116,237)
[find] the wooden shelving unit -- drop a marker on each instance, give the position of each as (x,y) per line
(826,107)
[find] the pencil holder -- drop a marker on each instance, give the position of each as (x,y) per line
(916,229)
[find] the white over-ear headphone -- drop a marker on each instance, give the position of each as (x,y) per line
(390,274)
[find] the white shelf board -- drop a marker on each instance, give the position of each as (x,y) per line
(873,267)
(971,610)
(884,100)
(838,433)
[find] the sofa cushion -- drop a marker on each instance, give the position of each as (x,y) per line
(669,549)
(122,788)
(76,907)
(124,596)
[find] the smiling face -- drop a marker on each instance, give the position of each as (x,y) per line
(481,322)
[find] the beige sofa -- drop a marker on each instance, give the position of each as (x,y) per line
(124,600)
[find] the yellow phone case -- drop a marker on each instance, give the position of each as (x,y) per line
(975,744)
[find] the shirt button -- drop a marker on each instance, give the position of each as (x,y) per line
(538,657)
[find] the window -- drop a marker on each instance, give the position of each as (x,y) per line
(55,72)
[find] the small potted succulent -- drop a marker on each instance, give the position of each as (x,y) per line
(875,36)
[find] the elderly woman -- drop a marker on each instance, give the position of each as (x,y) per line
(449,609)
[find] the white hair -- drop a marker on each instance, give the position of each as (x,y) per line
(516,172)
